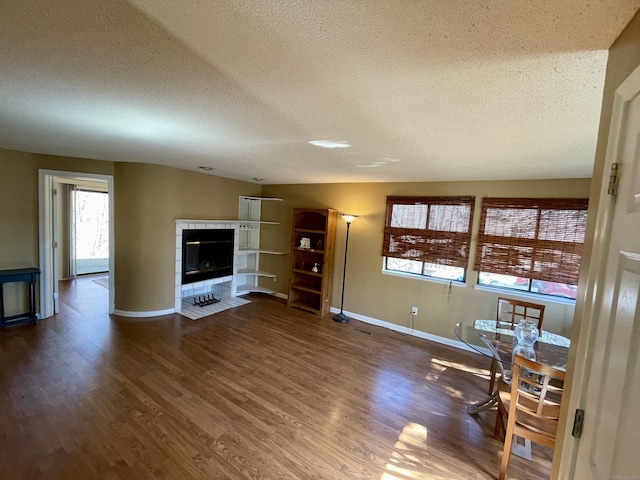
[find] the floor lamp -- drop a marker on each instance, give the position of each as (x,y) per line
(341,317)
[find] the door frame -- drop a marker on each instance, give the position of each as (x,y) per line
(45,205)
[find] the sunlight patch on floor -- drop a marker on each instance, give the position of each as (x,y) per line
(420,476)
(459,366)
(405,461)
(411,459)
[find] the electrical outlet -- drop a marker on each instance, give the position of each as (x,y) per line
(414,310)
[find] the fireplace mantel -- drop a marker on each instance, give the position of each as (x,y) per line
(206,222)
(246,254)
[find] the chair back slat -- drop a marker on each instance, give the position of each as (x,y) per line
(509,313)
(512,311)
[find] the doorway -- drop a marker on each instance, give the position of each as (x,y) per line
(76,232)
(88,230)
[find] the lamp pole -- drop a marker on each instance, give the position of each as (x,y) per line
(341,317)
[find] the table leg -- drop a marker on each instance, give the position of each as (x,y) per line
(483,405)
(32,301)
(520,449)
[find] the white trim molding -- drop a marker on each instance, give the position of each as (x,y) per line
(143,314)
(407,330)
(45,234)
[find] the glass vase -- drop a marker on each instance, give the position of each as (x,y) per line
(527,335)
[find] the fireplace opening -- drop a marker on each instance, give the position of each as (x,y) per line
(206,254)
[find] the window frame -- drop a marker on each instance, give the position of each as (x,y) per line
(438,246)
(528,292)
(422,275)
(532,253)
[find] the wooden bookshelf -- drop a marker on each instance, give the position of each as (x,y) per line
(312,245)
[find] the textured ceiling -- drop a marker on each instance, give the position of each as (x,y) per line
(422,90)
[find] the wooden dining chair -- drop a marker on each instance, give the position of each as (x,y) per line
(512,311)
(533,404)
(509,314)
(522,449)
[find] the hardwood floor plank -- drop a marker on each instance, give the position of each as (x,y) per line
(260,391)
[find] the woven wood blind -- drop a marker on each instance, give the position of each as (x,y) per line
(536,238)
(429,229)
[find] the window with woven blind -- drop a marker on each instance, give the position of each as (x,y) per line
(535,238)
(429,232)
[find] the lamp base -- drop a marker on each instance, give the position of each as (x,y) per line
(341,317)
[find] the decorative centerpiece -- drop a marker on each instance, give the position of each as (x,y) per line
(527,335)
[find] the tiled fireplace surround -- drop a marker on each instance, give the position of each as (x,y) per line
(224,288)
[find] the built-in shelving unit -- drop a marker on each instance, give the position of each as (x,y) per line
(312,253)
(249,247)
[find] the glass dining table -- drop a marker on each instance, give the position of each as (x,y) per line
(550,349)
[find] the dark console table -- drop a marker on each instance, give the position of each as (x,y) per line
(27,275)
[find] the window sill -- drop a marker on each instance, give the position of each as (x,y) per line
(424,278)
(527,295)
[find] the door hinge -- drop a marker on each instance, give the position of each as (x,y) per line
(614,179)
(578,421)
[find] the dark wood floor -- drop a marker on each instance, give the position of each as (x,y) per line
(261,391)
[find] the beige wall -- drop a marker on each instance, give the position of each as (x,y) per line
(624,58)
(389,298)
(148,199)
(19,210)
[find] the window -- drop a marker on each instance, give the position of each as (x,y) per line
(555,289)
(532,244)
(428,236)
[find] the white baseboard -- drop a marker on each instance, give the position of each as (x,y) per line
(154,313)
(407,330)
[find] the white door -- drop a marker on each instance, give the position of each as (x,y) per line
(611,436)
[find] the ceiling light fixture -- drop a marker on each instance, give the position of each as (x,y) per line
(206,169)
(258,179)
(330,143)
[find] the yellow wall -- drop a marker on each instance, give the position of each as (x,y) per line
(148,199)
(19,210)
(389,298)
(19,201)
(624,58)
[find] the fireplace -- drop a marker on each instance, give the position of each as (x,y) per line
(206,254)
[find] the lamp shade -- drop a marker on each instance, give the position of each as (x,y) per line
(348,218)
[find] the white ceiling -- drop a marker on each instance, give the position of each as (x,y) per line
(423,90)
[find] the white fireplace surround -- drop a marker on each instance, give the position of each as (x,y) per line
(224,286)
